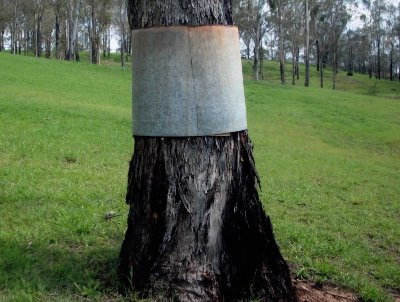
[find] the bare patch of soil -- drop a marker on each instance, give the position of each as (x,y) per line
(310,292)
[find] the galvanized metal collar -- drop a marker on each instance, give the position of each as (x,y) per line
(187,81)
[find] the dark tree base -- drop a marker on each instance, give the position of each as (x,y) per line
(196,227)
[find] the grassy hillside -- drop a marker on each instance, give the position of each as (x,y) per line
(329,162)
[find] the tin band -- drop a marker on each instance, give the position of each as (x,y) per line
(187,81)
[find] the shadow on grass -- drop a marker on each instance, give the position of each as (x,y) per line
(64,269)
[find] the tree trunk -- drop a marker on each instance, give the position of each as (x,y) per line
(307,48)
(334,63)
(48,48)
(321,77)
(2,39)
(26,42)
(109,44)
(196,227)
(281,52)
(122,47)
(39,35)
(94,39)
(256,65)
(318,54)
(256,54)
(391,64)
(378,60)
(261,59)
(297,63)
(334,71)
(293,65)
(57,33)
(73,19)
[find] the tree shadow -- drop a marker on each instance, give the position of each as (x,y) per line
(46,268)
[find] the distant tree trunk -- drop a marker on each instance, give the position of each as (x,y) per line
(57,33)
(196,227)
(391,64)
(48,48)
(73,30)
(378,60)
(94,39)
(297,63)
(104,44)
(293,64)
(256,54)
(2,39)
(38,41)
(307,48)
(318,54)
(95,51)
(334,71)
(334,62)
(123,47)
(261,54)
(370,68)
(281,55)
(109,44)
(247,44)
(350,61)
(19,42)
(321,77)
(26,42)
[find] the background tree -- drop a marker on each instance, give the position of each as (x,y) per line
(13,9)
(337,19)
(391,25)
(320,32)
(120,21)
(196,227)
(48,21)
(279,10)
(251,18)
(72,13)
(377,9)
(98,14)
(295,22)
(307,43)
(3,22)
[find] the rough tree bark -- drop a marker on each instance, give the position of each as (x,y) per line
(196,227)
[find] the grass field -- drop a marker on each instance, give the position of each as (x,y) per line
(329,163)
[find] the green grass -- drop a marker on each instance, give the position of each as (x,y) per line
(329,163)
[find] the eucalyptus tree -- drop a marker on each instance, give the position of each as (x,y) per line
(73,11)
(57,11)
(320,33)
(38,10)
(48,22)
(280,8)
(307,43)
(120,21)
(98,18)
(196,227)
(392,25)
(338,18)
(367,30)
(13,10)
(251,18)
(3,22)
(377,10)
(397,34)
(295,29)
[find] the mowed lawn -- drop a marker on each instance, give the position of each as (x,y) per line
(329,163)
